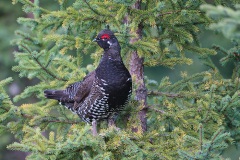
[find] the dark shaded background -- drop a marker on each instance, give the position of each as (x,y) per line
(8,16)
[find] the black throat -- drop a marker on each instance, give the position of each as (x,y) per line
(112,53)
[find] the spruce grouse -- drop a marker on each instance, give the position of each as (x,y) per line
(104,91)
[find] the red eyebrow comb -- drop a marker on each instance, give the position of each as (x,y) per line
(105,36)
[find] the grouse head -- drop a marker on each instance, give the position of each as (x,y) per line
(106,39)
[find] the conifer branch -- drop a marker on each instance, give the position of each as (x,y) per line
(44,68)
(5,109)
(55,121)
(91,7)
(170,12)
(48,64)
(209,108)
(201,136)
(218,48)
(33,5)
(237,76)
(58,121)
(174,12)
(157,110)
(170,95)
(212,141)
(229,117)
(174,95)
(26,116)
(192,23)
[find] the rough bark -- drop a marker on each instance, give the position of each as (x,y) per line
(137,71)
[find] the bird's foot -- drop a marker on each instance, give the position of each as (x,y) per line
(94,128)
(111,124)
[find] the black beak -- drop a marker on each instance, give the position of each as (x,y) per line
(95,40)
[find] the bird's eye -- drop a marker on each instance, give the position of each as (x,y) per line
(105,36)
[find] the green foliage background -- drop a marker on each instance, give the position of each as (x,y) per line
(195,117)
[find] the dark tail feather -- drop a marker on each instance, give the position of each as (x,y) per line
(62,97)
(55,94)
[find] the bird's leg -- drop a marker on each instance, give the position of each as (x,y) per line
(94,128)
(111,122)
